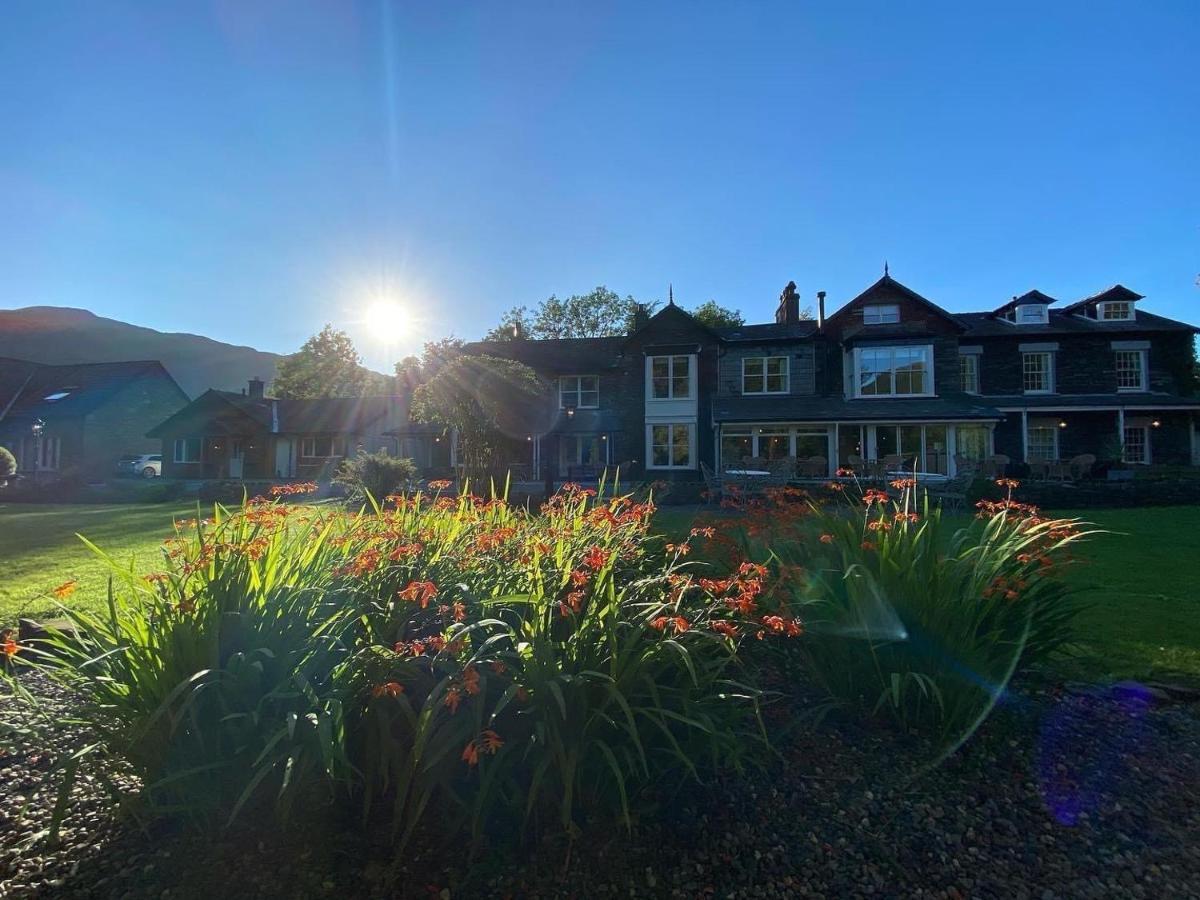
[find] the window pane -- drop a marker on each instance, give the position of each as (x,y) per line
(1135,444)
(1043,442)
(734,448)
(752,384)
(937,456)
(849,444)
(680,445)
(752,366)
(680,382)
(776,365)
(773,444)
(885,440)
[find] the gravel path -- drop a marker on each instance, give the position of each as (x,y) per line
(1090,793)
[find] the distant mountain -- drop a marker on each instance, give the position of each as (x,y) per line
(54,334)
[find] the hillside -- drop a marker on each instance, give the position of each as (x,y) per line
(52,334)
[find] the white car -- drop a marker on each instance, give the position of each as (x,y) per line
(145,465)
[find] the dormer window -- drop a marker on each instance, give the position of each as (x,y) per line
(1115,311)
(881,314)
(1032,314)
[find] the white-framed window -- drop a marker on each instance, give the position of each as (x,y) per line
(1136,444)
(1041,442)
(1037,369)
(671,445)
(893,371)
(670,377)
(187,450)
(968,373)
(578,391)
(881,314)
(1033,314)
(1131,370)
(322,447)
(765,375)
(1116,311)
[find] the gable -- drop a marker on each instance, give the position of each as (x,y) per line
(917,315)
(670,327)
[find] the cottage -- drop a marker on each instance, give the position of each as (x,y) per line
(82,418)
(248,435)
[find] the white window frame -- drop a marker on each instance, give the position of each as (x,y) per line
(184,457)
(881,314)
(1041,426)
(968,365)
(577,391)
(1040,314)
(763,361)
(671,377)
(308,446)
(1049,371)
(670,445)
(1140,356)
(1145,456)
(926,349)
(1102,310)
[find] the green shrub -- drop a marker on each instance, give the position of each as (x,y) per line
(375,475)
(8,464)
(448,659)
(923,622)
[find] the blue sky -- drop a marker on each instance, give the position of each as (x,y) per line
(250,170)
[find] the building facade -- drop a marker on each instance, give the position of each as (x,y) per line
(889,373)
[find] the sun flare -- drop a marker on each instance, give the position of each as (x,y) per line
(386,320)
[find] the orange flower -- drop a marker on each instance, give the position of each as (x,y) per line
(1010,483)
(579,577)
(460,611)
(453,698)
(498,667)
(66,589)
(703,532)
(439,485)
(836,486)
(9,645)
(470,680)
(682,549)
(723,627)
(678,623)
(491,742)
(903,484)
(827,539)
(422,591)
(595,558)
(880,525)
(867,545)
(389,689)
(470,754)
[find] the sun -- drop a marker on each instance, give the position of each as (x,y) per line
(385,319)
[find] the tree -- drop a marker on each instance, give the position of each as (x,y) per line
(492,403)
(514,325)
(714,315)
(8,466)
(327,365)
(599,313)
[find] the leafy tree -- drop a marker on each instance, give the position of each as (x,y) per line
(599,313)
(514,326)
(327,365)
(492,403)
(714,315)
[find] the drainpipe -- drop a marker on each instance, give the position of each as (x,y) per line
(1025,435)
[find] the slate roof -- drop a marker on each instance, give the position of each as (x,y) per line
(1105,401)
(326,415)
(1117,292)
(982,324)
(1027,298)
(828,409)
(565,355)
(770,331)
(25,386)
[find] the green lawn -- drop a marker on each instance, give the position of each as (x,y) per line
(39,549)
(1143,580)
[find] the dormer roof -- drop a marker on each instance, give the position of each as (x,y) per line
(1117,293)
(1029,298)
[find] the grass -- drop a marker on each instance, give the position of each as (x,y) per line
(1142,579)
(39,550)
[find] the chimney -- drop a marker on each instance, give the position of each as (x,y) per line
(820,310)
(256,388)
(788,312)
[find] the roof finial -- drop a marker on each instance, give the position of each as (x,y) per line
(670,294)
(885,269)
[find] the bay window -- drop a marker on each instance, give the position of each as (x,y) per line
(671,445)
(894,371)
(765,375)
(670,377)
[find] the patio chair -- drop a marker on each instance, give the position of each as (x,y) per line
(995,466)
(814,467)
(1039,469)
(782,470)
(1080,466)
(856,463)
(951,494)
(893,462)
